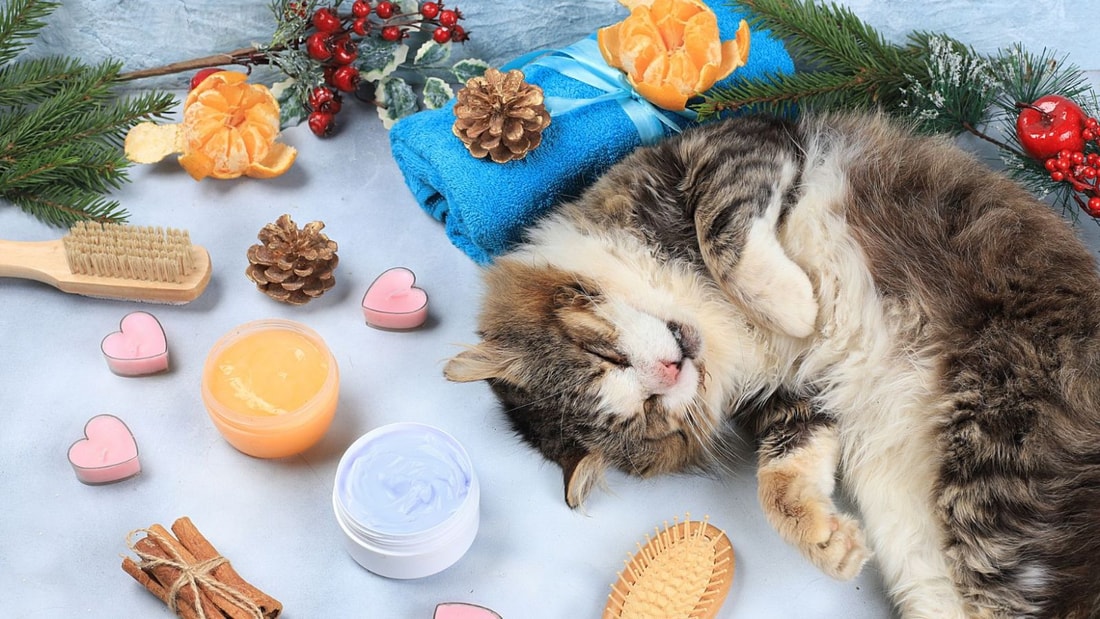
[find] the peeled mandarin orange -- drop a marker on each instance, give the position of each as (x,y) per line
(670,50)
(229,130)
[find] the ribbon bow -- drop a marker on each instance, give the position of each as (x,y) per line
(583,62)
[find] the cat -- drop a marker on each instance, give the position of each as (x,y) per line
(874,307)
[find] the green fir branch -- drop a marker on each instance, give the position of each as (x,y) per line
(20,21)
(62,126)
(941,84)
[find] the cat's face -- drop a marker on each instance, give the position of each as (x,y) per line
(589,379)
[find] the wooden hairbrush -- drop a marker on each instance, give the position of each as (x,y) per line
(113,261)
(683,572)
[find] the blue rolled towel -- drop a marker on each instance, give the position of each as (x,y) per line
(485,206)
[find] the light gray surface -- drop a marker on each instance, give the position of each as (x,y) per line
(61,542)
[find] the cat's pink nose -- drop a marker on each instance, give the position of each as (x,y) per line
(669,371)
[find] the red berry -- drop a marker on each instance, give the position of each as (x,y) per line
(323,99)
(201,75)
(1050,124)
(344,50)
(1057,176)
(1093,207)
(384,9)
(448,17)
(441,34)
(458,34)
(321,123)
(360,8)
(391,33)
(326,20)
(361,26)
(429,9)
(319,46)
(346,78)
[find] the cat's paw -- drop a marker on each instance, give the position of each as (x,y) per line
(773,288)
(836,546)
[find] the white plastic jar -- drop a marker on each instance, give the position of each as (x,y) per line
(407,499)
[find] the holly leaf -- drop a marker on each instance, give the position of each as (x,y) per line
(436,93)
(467,68)
(378,58)
(292,108)
(396,100)
(432,53)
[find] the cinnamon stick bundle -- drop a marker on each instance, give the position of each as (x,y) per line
(188,574)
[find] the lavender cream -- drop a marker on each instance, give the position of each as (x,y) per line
(407,499)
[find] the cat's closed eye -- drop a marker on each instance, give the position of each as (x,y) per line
(606,352)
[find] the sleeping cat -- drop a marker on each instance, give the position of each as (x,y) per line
(873,307)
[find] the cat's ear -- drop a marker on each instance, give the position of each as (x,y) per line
(775,290)
(582,471)
(481,362)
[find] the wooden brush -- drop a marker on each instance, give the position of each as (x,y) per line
(684,572)
(113,261)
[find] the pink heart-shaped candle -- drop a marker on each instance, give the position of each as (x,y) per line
(107,453)
(393,302)
(460,610)
(138,348)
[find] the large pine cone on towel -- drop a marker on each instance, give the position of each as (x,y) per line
(500,116)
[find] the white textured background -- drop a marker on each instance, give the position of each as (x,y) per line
(145,33)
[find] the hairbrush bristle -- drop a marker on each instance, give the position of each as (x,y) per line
(683,572)
(130,252)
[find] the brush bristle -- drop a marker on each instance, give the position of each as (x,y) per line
(130,252)
(683,572)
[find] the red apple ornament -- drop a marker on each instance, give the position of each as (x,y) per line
(1049,125)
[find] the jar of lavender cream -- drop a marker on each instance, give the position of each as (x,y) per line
(407,499)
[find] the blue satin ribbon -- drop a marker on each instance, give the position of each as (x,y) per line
(582,61)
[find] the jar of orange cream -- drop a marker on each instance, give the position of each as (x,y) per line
(271,387)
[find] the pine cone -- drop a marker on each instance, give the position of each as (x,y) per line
(292,265)
(499,115)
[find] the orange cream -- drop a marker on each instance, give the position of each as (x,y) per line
(271,387)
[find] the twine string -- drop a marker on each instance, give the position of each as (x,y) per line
(194,576)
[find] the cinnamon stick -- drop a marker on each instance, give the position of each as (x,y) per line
(144,579)
(194,541)
(161,544)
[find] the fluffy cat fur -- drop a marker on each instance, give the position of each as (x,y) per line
(873,307)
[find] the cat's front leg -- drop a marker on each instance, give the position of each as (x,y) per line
(737,230)
(798,451)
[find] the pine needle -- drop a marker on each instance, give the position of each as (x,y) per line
(62,125)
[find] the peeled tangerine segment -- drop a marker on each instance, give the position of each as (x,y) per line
(149,142)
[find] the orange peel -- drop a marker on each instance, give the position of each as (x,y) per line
(670,50)
(229,129)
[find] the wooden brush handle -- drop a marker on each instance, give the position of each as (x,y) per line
(42,261)
(45,261)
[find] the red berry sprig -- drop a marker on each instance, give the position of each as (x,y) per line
(1080,169)
(1057,132)
(331,40)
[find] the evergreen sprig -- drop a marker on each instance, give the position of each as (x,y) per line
(62,126)
(939,83)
